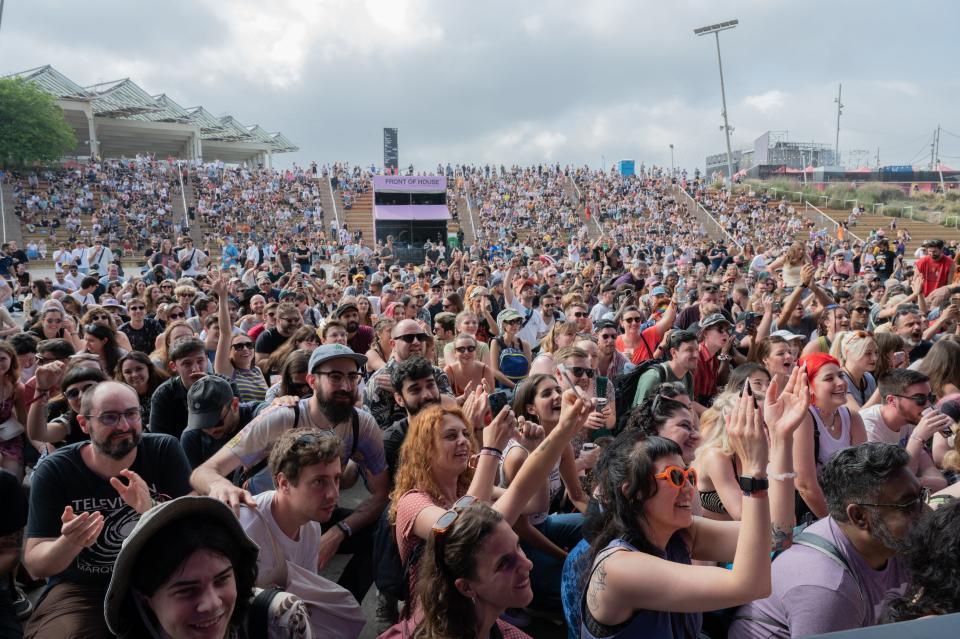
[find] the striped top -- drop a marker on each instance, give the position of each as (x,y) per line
(252,385)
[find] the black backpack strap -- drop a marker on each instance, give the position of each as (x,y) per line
(248,474)
(258,618)
(355,426)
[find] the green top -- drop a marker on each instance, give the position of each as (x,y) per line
(651,379)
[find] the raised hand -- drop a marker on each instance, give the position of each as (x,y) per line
(783,412)
(135,493)
(575,409)
(746,434)
(81,530)
(501,430)
(49,375)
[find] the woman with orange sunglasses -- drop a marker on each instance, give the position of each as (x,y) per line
(646,498)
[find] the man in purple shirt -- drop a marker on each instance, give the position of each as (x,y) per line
(874,501)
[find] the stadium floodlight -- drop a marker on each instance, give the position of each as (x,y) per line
(715,29)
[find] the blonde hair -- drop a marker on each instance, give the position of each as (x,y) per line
(851,345)
(713,424)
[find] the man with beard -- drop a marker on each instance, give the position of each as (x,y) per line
(903,419)
(333,373)
(908,325)
(841,569)
(416,388)
(359,338)
(85,498)
(408,340)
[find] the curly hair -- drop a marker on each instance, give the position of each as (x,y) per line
(713,423)
(652,414)
(418,453)
(931,561)
(447,612)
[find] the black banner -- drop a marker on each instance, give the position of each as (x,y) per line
(391,151)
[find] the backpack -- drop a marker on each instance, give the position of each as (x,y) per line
(625,387)
(513,363)
(390,573)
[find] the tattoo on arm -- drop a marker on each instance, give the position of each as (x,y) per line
(781,539)
(598,582)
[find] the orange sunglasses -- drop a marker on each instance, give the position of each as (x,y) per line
(676,476)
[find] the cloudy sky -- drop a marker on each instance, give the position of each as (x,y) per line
(521,82)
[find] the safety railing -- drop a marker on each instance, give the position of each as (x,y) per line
(579,193)
(825,220)
(706,218)
(333,200)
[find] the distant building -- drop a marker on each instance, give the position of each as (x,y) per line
(774,149)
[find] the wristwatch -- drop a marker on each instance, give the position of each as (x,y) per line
(753,485)
(345,527)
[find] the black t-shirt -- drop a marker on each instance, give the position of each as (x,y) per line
(168,408)
(65,479)
(269,340)
(392,441)
(14,504)
(199,446)
(143,339)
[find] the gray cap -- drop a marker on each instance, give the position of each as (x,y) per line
(327,352)
(787,336)
(205,401)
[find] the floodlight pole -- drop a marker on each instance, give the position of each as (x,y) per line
(673,171)
(715,30)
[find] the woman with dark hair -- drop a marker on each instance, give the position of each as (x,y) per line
(234,358)
(100,315)
(138,371)
(187,569)
(55,420)
(668,413)
(304,338)
(758,377)
(931,560)
(833,320)
(101,340)
(646,520)
(293,379)
(453,303)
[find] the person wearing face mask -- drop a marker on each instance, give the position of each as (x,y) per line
(842,570)
(828,426)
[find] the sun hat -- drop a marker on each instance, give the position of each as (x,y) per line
(150,523)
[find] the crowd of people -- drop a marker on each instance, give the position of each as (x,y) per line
(765,422)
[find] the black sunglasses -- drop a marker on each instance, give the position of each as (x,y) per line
(580,371)
(920,400)
(410,339)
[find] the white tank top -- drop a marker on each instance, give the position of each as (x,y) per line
(829,445)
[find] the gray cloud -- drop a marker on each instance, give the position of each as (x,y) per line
(498,81)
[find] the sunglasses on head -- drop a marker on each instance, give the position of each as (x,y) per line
(415,337)
(677,476)
(445,522)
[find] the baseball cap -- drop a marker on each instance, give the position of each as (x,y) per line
(328,352)
(205,401)
(506,315)
(348,305)
(787,335)
(746,315)
(519,285)
(659,290)
(714,319)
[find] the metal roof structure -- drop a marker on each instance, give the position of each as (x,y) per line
(121,118)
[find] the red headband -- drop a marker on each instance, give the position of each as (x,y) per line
(816,361)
